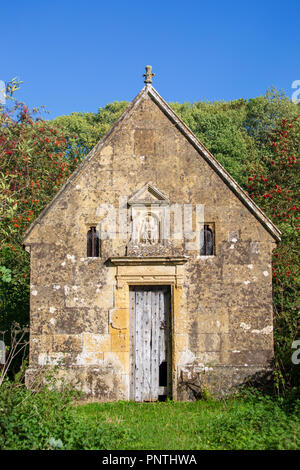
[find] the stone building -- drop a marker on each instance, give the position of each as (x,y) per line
(151,267)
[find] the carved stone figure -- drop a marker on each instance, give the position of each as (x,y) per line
(149,232)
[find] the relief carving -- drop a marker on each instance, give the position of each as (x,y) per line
(149,230)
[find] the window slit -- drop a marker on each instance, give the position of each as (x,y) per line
(207,241)
(93,243)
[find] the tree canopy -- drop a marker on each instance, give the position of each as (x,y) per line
(235,132)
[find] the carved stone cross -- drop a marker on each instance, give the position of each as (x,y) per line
(148,75)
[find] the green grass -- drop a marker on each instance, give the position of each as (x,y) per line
(52,419)
(249,422)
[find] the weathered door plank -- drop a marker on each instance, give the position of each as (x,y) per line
(139,352)
(147,385)
(154,359)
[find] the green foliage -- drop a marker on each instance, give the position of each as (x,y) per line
(264,112)
(235,132)
(47,420)
(255,422)
(206,394)
(14,292)
(84,130)
(219,126)
(5,274)
(50,419)
(247,421)
(274,185)
(35,160)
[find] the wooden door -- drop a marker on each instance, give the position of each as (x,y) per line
(150,342)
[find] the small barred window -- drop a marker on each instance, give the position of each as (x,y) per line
(93,250)
(207,241)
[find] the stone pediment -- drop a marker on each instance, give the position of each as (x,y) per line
(148,195)
(148,207)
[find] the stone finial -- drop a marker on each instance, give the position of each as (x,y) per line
(148,75)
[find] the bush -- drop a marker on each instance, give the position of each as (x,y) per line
(47,420)
(274,186)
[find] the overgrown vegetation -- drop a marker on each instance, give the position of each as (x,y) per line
(274,184)
(236,132)
(46,419)
(49,419)
(35,160)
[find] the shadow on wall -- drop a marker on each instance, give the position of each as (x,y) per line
(221,381)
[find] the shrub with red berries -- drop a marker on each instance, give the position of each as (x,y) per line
(274,185)
(33,164)
(35,161)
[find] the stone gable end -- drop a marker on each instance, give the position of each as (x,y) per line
(220,331)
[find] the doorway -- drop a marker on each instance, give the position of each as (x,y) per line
(150,324)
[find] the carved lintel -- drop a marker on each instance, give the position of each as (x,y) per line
(148,260)
(149,270)
(146,280)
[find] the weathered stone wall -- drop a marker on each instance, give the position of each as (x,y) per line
(78,314)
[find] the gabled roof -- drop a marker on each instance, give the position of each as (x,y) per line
(149,91)
(148,195)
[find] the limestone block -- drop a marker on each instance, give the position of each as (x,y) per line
(119,318)
(119,340)
(96,343)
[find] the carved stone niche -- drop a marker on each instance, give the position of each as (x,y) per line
(149,223)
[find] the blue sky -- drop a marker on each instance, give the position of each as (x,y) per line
(76,55)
